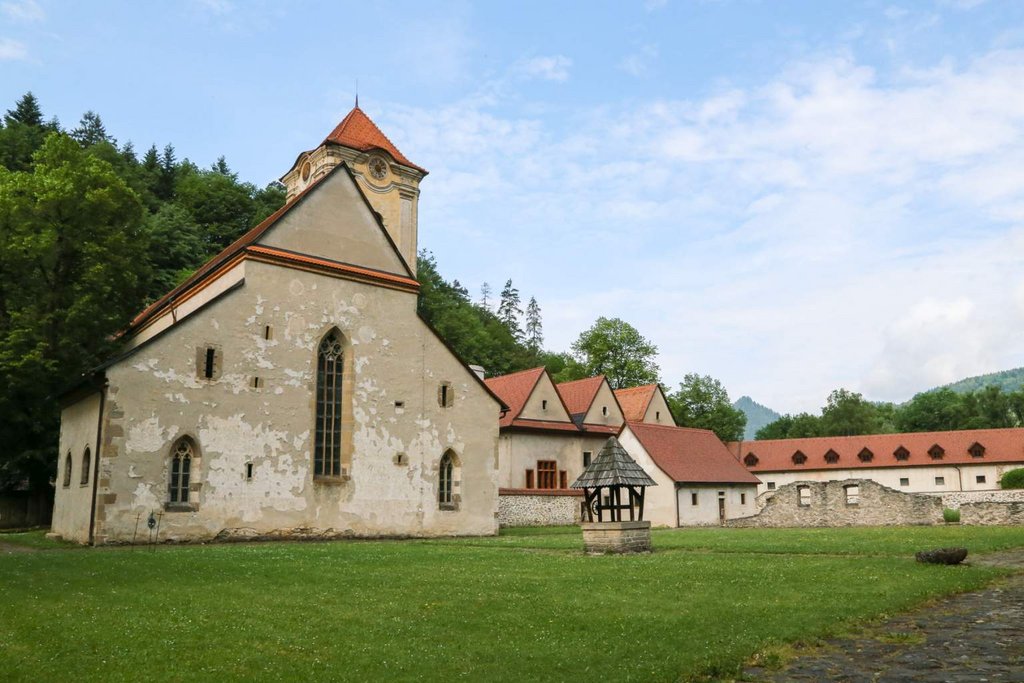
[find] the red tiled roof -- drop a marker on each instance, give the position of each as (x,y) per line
(357,131)
(579,394)
(635,401)
(775,455)
(691,455)
(514,389)
(544,425)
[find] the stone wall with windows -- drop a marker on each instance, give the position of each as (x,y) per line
(853,502)
(535,508)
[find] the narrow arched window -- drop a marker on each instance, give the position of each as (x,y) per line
(181,470)
(330,367)
(445,481)
(67,469)
(86,460)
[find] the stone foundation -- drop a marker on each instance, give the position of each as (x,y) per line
(617,537)
(530,507)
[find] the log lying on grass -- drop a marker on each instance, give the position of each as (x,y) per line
(942,556)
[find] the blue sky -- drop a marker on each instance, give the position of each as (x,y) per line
(789,196)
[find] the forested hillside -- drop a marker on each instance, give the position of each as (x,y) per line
(1007,380)
(757,415)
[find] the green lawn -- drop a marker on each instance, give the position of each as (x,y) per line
(527,605)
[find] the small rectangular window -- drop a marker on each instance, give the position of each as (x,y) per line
(563,479)
(771,486)
(208,367)
(268,332)
(445,395)
(743,499)
(940,481)
(248,471)
(657,414)
(803,496)
(980,479)
(257,382)
(904,481)
(693,498)
(546,472)
(529,479)
(586,458)
(544,404)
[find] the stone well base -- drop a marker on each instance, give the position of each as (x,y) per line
(617,537)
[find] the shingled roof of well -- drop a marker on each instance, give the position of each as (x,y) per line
(612,467)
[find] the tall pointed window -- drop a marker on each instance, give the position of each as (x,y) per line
(181,470)
(67,469)
(330,367)
(86,460)
(446,477)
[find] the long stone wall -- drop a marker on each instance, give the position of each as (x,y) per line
(958,498)
(530,507)
(986,513)
(853,502)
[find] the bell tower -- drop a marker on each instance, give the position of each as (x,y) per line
(389,180)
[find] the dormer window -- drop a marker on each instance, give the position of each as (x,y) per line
(976,450)
(799,458)
(901,453)
(750,460)
(831,457)
(865,455)
(936,452)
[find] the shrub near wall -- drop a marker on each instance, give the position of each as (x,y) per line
(1014,479)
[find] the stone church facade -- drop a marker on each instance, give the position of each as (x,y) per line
(289,387)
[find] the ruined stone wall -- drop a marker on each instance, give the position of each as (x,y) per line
(832,504)
(520,508)
(987,513)
(396,429)
(956,500)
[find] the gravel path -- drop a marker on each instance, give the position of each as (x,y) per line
(973,637)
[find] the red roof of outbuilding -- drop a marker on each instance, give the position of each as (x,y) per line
(357,131)
(691,455)
(635,401)
(776,455)
(578,395)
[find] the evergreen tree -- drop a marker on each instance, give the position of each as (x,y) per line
(221,166)
(534,327)
(167,175)
(485,296)
(91,130)
(26,112)
(509,310)
(23,133)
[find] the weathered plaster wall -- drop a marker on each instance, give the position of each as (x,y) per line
(538,509)
(828,506)
(658,412)
(72,504)
(520,450)
(740,501)
(395,366)
(920,479)
(544,403)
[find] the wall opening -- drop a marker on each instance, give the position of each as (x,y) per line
(803,496)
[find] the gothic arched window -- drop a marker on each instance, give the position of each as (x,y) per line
(329,371)
(86,459)
(445,477)
(181,470)
(67,469)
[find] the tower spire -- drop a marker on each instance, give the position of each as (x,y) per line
(357,93)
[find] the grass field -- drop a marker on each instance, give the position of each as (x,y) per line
(526,605)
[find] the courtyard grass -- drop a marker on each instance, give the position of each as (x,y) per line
(506,608)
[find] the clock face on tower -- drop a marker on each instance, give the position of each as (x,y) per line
(378,168)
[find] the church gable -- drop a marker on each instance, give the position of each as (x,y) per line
(658,411)
(604,409)
(335,222)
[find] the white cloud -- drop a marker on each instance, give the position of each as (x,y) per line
(12,50)
(216,7)
(638,64)
(830,227)
(548,68)
(27,11)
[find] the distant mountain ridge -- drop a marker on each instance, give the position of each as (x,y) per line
(757,415)
(1007,380)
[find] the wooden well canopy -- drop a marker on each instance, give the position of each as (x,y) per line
(611,472)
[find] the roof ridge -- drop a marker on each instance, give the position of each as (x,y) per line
(890,435)
(648,425)
(347,134)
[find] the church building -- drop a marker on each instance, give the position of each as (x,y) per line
(288,388)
